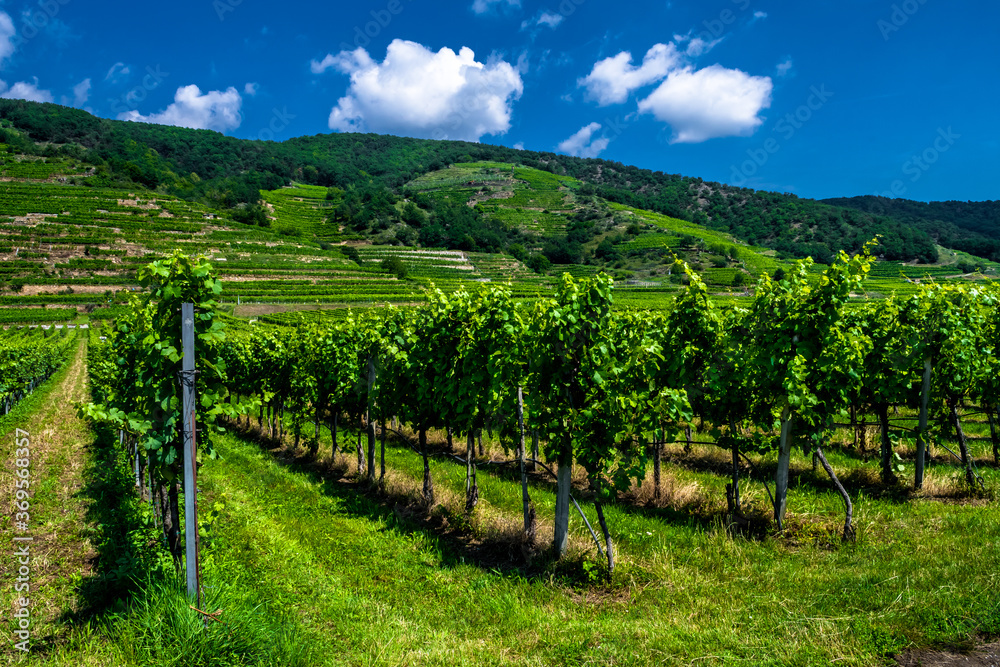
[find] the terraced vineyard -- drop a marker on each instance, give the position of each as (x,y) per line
(15,167)
(301,210)
(66,244)
(36,315)
(69,244)
(517,196)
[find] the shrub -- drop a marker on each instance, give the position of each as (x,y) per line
(351,253)
(518,252)
(607,251)
(539,263)
(395,266)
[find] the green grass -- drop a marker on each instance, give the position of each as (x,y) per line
(311,569)
(161,629)
(370,586)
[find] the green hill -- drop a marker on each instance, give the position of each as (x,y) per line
(225,172)
(973,227)
(348,219)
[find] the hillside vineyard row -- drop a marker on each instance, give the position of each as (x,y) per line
(599,390)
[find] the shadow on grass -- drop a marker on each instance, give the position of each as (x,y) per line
(507,551)
(504,549)
(125,541)
(857,480)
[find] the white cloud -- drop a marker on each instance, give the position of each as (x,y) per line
(760,15)
(484,6)
(523,63)
(699,104)
(22,90)
(550,19)
(417,92)
(785,67)
(697,46)
(251,89)
(214,110)
(613,79)
(117,72)
(320,66)
(7,34)
(712,102)
(583,144)
(81,93)
(519,146)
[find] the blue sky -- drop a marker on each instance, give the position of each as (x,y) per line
(821,98)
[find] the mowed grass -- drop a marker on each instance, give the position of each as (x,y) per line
(372,582)
(311,567)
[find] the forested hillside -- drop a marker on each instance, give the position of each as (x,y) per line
(973,227)
(228,173)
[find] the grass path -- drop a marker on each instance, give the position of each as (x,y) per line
(61,553)
(372,587)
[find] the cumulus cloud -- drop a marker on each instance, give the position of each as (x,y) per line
(117,72)
(583,144)
(214,110)
(699,104)
(7,34)
(22,90)
(484,6)
(251,89)
(81,93)
(708,103)
(417,92)
(613,79)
